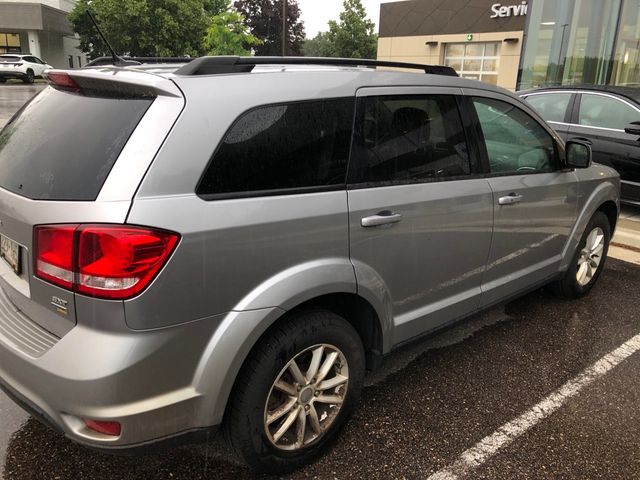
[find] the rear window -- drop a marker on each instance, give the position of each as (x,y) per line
(61,146)
(279,149)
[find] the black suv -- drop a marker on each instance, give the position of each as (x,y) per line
(607,117)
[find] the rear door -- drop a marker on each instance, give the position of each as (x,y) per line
(601,119)
(534,198)
(555,108)
(420,216)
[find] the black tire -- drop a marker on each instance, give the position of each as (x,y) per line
(29,77)
(244,422)
(568,286)
(3,80)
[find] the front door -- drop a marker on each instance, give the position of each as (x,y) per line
(420,218)
(534,199)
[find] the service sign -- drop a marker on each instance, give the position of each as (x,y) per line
(502,11)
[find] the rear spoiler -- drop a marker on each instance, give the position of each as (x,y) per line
(111,83)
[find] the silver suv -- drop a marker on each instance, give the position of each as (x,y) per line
(233,243)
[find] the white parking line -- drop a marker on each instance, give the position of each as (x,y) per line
(488,446)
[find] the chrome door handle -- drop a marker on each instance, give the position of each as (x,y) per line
(382,218)
(510,199)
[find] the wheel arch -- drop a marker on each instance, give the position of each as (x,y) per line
(604,198)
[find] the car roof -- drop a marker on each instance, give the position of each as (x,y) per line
(629,92)
(309,80)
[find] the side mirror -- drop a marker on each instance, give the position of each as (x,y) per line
(578,154)
(633,128)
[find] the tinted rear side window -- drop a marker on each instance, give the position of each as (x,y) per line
(408,139)
(61,146)
(278,149)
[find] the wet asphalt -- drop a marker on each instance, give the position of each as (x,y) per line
(430,402)
(13,95)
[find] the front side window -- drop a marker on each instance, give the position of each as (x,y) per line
(552,106)
(408,139)
(515,142)
(606,112)
(281,148)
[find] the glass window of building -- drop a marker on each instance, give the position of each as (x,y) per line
(9,42)
(477,61)
(569,42)
(626,70)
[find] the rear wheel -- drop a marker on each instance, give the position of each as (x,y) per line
(29,77)
(299,386)
(588,261)
(3,80)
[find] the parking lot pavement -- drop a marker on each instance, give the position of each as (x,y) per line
(13,96)
(434,401)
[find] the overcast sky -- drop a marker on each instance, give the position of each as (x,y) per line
(317,13)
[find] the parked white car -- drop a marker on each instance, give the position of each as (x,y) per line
(22,66)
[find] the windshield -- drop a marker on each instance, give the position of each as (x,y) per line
(61,146)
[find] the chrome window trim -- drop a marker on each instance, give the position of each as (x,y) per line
(601,94)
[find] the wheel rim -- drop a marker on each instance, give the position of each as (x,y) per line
(590,257)
(306,397)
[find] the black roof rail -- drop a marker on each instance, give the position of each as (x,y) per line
(100,61)
(231,64)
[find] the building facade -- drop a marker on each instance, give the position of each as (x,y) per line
(571,42)
(481,39)
(518,44)
(42,29)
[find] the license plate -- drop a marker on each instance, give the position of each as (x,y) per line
(10,251)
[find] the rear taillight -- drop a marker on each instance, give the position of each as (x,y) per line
(104,261)
(62,80)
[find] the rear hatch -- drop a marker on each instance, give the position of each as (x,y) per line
(75,154)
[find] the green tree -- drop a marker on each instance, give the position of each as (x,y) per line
(319,46)
(353,36)
(142,27)
(216,7)
(264,19)
(228,35)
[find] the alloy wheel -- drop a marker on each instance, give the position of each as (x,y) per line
(306,397)
(590,256)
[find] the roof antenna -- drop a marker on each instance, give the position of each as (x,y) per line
(118,61)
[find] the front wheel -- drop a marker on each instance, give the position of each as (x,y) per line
(296,390)
(3,80)
(588,261)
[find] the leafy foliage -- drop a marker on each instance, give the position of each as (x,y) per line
(228,35)
(318,46)
(351,37)
(216,7)
(143,27)
(264,19)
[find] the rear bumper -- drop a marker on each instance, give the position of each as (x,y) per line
(200,435)
(12,73)
(143,380)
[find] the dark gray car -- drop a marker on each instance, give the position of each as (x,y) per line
(232,245)
(605,117)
